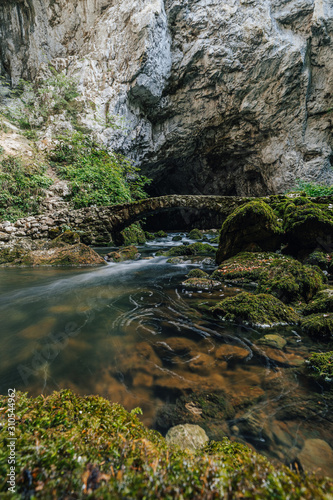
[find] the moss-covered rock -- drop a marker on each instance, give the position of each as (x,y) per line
(273,341)
(63,255)
(318,258)
(195,234)
(279,275)
(66,238)
(253,226)
(257,310)
(197,273)
(305,227)
(161,234)
(289,280)
(85,447)
(322,302)
(318,326)
(320,366)
(178,237)
(125,253)
(193,249)
(133,235)
(149,236)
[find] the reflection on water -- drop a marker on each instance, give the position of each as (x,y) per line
(130,332)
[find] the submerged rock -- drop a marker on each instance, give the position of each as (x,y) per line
(187,436)
(317,456)
(273,341)
(254,226)
(257,310)
(201,283)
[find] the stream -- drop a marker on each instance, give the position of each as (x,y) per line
(132,333)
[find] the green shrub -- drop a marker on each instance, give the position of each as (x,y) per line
(313,189)
(21,188)
(97,176)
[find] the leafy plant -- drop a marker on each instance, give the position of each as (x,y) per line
(98,176)
(313,189)
(33,103)
(21,188)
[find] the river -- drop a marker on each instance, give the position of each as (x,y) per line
(131,332)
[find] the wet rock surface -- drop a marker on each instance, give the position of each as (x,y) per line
(239,91)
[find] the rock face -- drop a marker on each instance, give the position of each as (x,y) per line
(231,97)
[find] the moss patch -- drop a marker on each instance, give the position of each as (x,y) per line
(134,235)
(321,303)
(320,365)
(193,249)
(85,447)
(319,326)
(195,234)
(256,310)
(253,225)
(197,273)
(127,253)
(281,276)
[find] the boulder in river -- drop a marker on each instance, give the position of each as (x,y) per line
(251,226)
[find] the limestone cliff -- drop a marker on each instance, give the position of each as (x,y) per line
(225,97)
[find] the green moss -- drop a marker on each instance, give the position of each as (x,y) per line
(261,309)
(319,326)
(178,237)
(124,253)
(289,280)
(251,226)
(67,238)
(320,366)
(245,267)
(321,303)
(195,234)
(161,234)
(279,275)
(9,255)
(318,258)
(149,236)
(134,235)
(197,273)
(86,447)
(193,249)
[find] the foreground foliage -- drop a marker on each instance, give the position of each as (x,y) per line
(97,176)
(86,447)
(21,188)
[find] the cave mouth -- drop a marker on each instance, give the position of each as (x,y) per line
(220,175)
(183,219)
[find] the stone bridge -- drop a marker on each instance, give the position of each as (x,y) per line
(102,225)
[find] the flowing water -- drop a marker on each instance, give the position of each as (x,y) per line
(131,332)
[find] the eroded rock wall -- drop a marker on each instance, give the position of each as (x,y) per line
(231,97)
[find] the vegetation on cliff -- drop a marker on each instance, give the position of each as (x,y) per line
(86,447)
